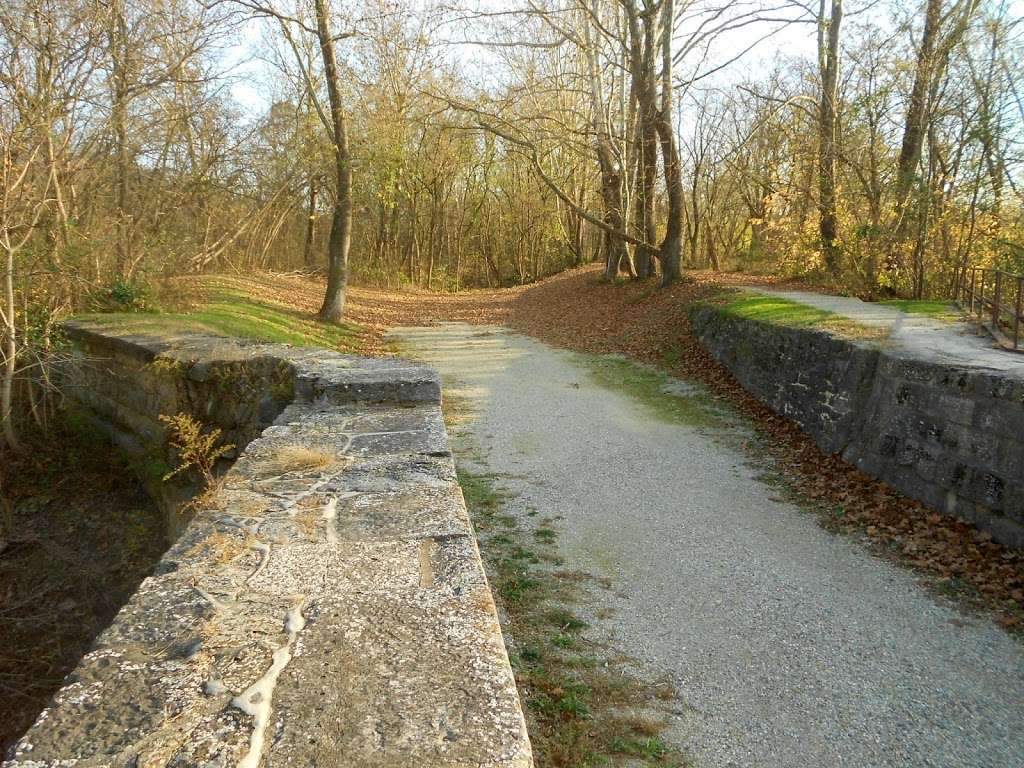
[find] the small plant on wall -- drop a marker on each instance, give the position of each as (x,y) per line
(196,450)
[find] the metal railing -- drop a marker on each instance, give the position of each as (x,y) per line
(996,298)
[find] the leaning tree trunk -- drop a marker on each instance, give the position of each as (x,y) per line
(341,220)
(915,121)
(932,62)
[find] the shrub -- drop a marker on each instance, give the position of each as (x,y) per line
(197,450)
(124,296)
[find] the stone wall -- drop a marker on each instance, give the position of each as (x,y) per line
(327,606)
(950,437)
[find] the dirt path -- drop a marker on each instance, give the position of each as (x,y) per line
(788,646)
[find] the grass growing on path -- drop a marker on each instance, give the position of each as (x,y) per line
(231,312)
(583,710)
(663,397)
(777,310)
(939,310)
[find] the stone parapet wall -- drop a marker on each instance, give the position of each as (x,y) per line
(948,436)
(326,607)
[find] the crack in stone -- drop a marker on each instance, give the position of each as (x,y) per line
(256,700)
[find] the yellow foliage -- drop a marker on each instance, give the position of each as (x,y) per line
(196,449)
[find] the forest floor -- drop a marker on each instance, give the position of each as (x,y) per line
(77,536)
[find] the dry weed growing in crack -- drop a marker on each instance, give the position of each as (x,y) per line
(301,458)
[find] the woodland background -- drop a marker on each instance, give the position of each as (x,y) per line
(445,146)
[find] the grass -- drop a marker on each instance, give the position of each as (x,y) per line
(233,313)
(939,310)
(781,311)
(580,705)
(652,389)
(794,314)
(776,310)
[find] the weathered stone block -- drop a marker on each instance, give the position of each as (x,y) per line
(327,607)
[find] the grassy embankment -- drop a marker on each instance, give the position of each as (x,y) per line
(782,311)
(231,311)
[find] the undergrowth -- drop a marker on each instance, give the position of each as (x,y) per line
(196,449)
(77,535)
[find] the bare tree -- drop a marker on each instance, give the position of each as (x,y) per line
(334,119)
(21,207)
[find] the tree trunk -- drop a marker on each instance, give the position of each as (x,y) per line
(341,221)
(917,107)
(712,250)
(642,66)
(671,249)
(828,54)
(932,59)
(611,172)
(10,350)
(117,35)
(647,171)
(308,257)
(611,196)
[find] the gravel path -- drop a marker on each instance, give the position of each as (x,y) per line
(789,646)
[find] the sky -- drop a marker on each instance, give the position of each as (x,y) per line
(252,78)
